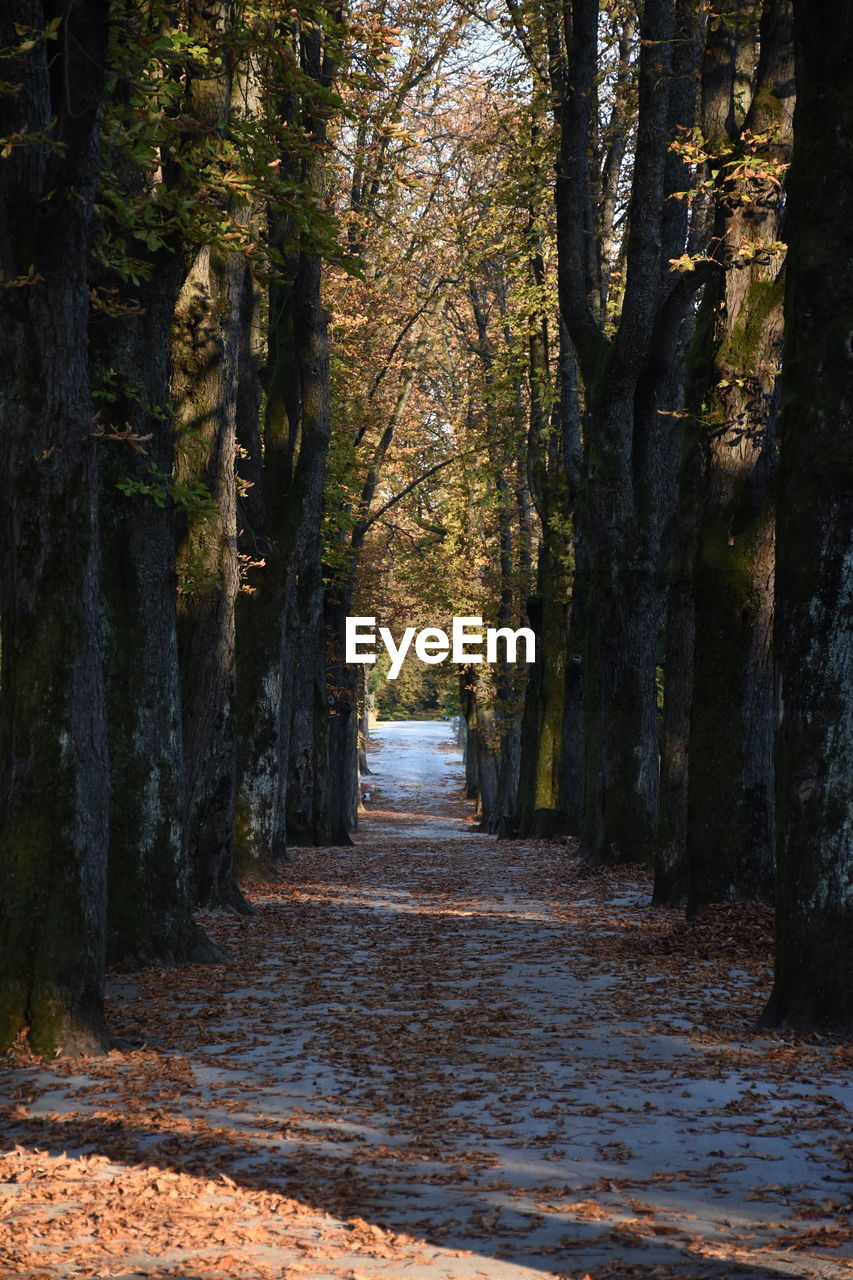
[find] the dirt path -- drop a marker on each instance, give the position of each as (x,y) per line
(438,1056)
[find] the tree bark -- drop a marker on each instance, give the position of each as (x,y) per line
(53,745)
(628,484)
(813,986)
(670,888)
(550,792)
(728,534)
(204,383)
(281,627)
(149,914)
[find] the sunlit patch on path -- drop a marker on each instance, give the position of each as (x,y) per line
(439,1057)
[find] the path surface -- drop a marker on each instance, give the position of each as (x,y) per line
(440,1057)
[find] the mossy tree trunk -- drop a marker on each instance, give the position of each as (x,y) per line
(204,383)
(149,914)
(149,917)
(53,745)
(720,742)
(550,790)
(207,383)
(730,845)
(813,986)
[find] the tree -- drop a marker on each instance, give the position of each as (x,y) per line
(814,579)
(630,377)
(136,274)
(550,793)
(730,846)
(280,639)
(206,376)
(53,745)
(382,340)
(720,692)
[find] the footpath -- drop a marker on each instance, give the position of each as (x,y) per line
(439,1056)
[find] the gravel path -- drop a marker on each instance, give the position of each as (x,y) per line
(439,1056)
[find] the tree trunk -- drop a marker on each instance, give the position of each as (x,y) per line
(207,385)
(550,791)
(336,815)
(149,917)
(727,67)
(730,844)
(266,538)
(204,384)
(53,746)
(670,887)
(305,709)
(539,809)
(814,958)
(629,475)
(280,633)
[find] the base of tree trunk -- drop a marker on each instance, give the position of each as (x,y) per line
(800,1018)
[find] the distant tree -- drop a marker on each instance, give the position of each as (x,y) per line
(384,326)
(814,624)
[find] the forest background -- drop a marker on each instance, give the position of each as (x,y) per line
(419,311)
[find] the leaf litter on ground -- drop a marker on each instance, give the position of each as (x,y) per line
(440,1055)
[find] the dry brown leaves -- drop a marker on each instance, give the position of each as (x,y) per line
(288,1112)
(743,930)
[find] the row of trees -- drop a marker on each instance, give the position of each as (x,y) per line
(165,433)
(300,324)
(675,130)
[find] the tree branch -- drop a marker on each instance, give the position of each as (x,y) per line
(361,528)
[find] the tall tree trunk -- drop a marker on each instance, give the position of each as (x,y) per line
(264,539)
(281,639)
(670,887)
(550,792)
(281,622)
(149,917)
(730,792)
(629,476)
(499,692)
(727,63)
(53,746)
(267,538)
(204,384)
(814,954)
(629,488)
